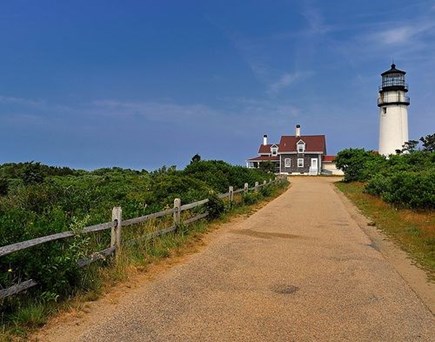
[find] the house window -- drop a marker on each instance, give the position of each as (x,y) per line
(274,150)
(300,162)
(287,162)
(301,147)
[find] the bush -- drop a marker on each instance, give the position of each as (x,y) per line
(378,185)
(359,164)
(412,189)
(251,197)
(215,206)
(220,175)
(37,200)
(407,189)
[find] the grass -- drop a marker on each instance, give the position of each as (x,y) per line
(135,258)
(413,231)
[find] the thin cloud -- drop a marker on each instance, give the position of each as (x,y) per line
(286,80)
(410,40)
(235,116)
(315,20)
(20,101)
(404,34)
(166,112)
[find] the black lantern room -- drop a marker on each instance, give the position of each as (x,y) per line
(393,88)
(393,79)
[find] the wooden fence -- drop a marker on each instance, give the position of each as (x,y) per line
(116,226)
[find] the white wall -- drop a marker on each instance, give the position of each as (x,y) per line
(331,168)
(393,128)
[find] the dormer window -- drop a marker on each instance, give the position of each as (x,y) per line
(274,150)
(301,146)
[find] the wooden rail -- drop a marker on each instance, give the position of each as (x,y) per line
(5,250)
(141,219)
(116,226)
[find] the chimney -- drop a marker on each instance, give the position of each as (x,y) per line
(298,130)
(265,139)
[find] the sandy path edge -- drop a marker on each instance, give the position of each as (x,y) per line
(414,276)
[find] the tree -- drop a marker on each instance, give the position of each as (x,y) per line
(4,186)
(428,142)
(33,173)
(195,158)
(409,146)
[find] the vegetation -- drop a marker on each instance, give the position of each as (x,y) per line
(406,180)
(37,200)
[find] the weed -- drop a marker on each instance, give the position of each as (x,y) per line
(31,316)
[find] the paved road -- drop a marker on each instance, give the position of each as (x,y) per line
(300,269)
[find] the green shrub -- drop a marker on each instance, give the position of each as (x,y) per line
(37,200)
(251,197)
(359,164)
(407,189)
(378,185)
(220,175)
(215,206)
(412,189)
(267,190)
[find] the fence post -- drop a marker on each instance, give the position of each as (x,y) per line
(115,237)
(256,186)
(231,194)
(246,187)
(177,213)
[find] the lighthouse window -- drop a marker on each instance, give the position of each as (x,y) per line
(384,109)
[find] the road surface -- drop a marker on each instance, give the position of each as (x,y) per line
(299,269)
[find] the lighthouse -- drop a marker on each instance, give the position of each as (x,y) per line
(393,111)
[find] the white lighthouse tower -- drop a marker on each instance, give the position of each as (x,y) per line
(393,111)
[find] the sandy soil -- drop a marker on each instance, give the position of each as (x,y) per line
(305,267)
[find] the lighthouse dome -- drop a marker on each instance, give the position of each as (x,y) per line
(393,70)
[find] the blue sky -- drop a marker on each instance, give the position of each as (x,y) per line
(142,84)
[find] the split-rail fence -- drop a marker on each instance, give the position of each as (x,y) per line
(116,226)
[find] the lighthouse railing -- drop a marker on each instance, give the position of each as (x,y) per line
(393,98)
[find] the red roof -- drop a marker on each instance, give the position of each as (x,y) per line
(313,143)
(264,148)
(329,159)
(265,158)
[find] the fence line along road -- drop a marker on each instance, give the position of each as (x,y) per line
(116,227)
